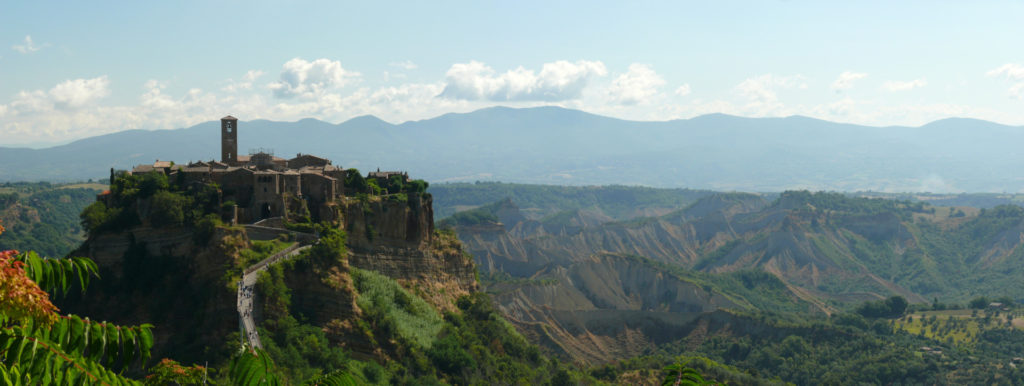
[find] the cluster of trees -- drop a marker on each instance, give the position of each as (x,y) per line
(356,184)
(893,307)
(151,197)
(846,350)
(849,204)
(468,218)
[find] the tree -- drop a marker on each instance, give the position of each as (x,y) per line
(680,375)
(168,209)
(39,346)
(95,215)
(394,184)
(417,186)
(897,305)
(354,181)
(978,303)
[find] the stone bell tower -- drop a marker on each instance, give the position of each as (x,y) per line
(229,140)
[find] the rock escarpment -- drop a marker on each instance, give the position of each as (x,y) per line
(398,239)
(184,283)
(165,277)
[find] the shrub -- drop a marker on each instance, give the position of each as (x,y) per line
(95,215)
(395,311)
(168,209)
(206,227)
(449,356)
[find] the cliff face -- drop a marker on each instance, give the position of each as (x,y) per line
(167,278)
(397,239)
(182,283)
(394,238)
(606,307)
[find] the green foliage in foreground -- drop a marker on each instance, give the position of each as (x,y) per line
(40,347)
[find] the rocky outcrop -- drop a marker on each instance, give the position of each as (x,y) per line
(167,278)
(184,283)
(397,239)
(606,307)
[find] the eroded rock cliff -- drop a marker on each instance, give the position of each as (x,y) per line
(183,282)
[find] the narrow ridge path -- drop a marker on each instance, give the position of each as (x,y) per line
(246,322)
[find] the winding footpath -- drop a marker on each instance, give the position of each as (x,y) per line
(246,286)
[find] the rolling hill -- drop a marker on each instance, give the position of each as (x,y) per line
(553,145)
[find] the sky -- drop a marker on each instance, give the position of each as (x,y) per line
(72,70)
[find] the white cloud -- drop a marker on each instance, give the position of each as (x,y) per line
(309,79)
(76,93)
(683,90)
(1013,72)
(636,86)
(557,81)
(28,47)
(846,79)
(27,102)
(245,84)
(407,65)
(761,95)
(894,85)
(75,108)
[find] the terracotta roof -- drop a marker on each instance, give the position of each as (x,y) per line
(162,164)
(229,118)
(142,169)
(243,158)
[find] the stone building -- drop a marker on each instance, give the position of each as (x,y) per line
(260,184)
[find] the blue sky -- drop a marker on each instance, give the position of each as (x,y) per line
(88,68)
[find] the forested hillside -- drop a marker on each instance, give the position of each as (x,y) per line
(43,217)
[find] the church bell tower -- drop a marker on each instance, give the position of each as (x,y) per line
(229,140)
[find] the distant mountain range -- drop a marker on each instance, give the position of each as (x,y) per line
(552,145)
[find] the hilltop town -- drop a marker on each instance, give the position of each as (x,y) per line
(260,184)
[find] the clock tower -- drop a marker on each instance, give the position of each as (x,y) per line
(229,140)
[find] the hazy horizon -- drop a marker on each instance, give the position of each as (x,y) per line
(878,64)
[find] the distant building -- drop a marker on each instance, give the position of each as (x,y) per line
(261,184)
(383,177)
